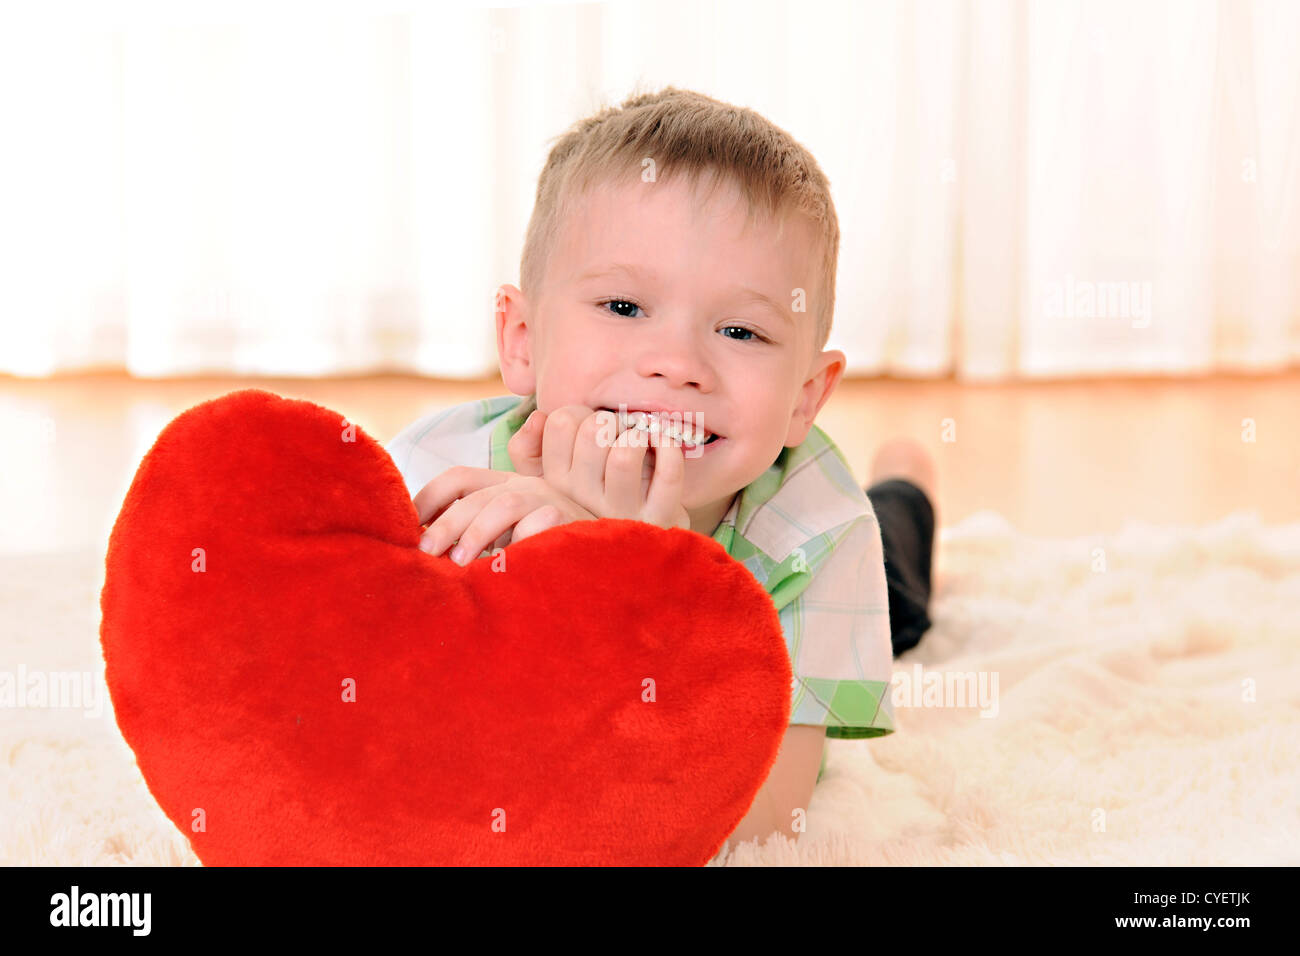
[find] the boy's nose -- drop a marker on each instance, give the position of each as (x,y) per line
(677,360)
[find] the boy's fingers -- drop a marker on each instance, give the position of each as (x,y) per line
(453,522)
(627,473)
(446,528)
(597,434)
(666,487)
(453,483)
(525,446)
(543,519)
(499,515)
(557,443)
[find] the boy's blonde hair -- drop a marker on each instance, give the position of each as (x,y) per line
(688,133)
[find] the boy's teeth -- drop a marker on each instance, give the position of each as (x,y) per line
(644,421)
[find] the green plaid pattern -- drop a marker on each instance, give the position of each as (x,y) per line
(804,528)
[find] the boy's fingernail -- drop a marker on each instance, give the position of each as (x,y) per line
(458,554)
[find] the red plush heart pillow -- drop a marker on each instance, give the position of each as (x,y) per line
(301,685)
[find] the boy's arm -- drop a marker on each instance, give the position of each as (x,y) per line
(788,787)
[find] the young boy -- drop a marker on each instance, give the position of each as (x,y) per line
(678,275)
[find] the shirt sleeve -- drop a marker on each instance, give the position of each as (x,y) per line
(459,435)
(837,632)
(416,455)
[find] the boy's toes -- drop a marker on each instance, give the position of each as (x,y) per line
(905,458)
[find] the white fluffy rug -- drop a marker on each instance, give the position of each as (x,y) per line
(1143,708)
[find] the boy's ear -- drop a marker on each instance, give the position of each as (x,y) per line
(514,345)
(824,374)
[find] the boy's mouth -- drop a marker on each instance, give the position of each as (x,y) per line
(676,427)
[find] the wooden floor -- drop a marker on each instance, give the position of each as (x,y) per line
(1068,458)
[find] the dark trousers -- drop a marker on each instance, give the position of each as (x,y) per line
(906,520)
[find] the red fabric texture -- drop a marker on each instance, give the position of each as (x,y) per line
(266,554)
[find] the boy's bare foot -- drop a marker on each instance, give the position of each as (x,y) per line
(907,458)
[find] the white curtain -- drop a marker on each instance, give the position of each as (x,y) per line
(1024,188)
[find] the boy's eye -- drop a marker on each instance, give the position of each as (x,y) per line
(625,308)
(622,302)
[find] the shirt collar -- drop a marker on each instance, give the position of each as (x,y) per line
(511,422)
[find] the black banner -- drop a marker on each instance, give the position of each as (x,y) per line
(887,906)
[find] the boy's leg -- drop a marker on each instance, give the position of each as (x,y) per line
(902,495)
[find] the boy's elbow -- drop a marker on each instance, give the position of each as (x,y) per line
(759,823)
(781,805)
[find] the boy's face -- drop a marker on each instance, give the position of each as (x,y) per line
(646,303)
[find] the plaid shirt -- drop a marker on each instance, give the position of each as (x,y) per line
(804,528)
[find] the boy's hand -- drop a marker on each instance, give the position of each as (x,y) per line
(482,509)
(610,481)
(525,445)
